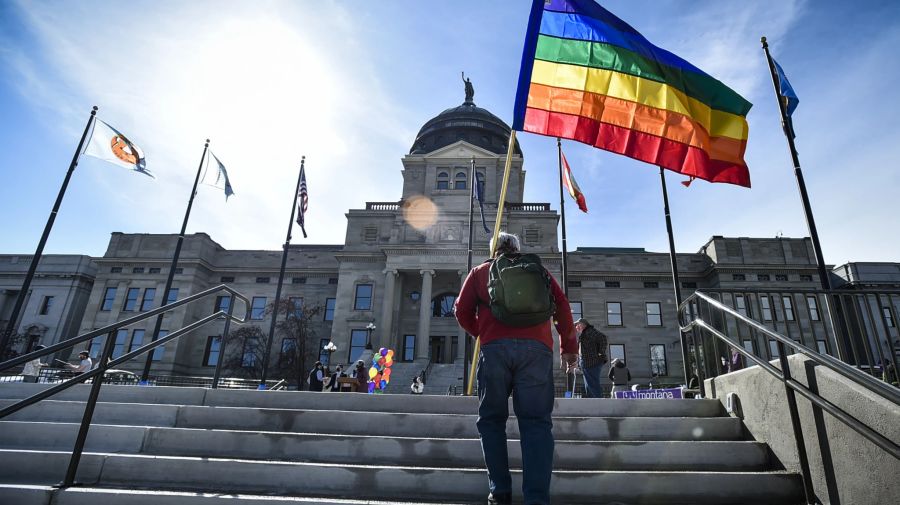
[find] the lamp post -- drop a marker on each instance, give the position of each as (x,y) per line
(370,328)
(329,348)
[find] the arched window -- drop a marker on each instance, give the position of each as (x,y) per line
(443,180)
(460,181)
(442,305)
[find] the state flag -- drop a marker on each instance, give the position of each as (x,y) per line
(572,186)
(108,144)
(218,177)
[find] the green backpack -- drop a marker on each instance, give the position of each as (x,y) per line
(519,291)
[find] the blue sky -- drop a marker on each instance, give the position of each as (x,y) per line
(348,84)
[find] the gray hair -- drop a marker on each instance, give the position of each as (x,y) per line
(507,243)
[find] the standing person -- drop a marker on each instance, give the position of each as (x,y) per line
(516,358)
(338,373)
(362,378)
(620,376)
(417,387)
(592,345)
(85,364)
(737,361)
(889,374)
(316,377)
(33,368)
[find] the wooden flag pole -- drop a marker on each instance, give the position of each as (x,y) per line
(171,277)
(502,201)
(284,255)
(32,268)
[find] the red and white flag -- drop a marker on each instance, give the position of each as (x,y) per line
(572,186)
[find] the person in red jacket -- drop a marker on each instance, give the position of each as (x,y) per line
(518,362)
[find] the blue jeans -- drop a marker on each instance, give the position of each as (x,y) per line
(592,382)
(523,368)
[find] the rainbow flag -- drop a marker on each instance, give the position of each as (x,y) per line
(587,75)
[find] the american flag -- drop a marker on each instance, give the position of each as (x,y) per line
(302,199)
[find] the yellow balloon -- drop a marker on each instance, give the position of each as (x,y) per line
(372,372)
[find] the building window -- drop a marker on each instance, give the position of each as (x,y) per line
(296,304)
(805,278)
(226,279)
(96,348)
(651,285)
(822,346)
(298,280)
(614,313)
(689,285)
(781,278)
(363,299)
(658,360)
(357,344)
(740,304)
(288,354)
(258,307)
(442,306)
(131,297)
(222,303)
(813,303)
(738,277)
(773,349)
(888,316)
(576,310)
(248,358)
(763,277)
(788,303)
(211,354)
(137,270)
(179,271)
(617,351)
(329,309)
(370,234)
(654,314)
(119,346)
(147,301)
(46,305)
(108,297)
(115,270)
(766,305)
(160,351)
(443,180)
(532,235)
(460,181)
(409,347)
(612,284)
(155,270)
(748,346)
(332,280)
(324,356)
(172,296)
(574,284)
(262,280)
(137,340)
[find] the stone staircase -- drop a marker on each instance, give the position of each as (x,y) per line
(189,446)
(442,376)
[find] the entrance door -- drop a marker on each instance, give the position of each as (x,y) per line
(436,349)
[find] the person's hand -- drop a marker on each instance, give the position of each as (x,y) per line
(568,361)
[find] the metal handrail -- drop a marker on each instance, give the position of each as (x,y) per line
(107,362)
(865,380)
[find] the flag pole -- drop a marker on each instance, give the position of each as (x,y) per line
(474,179)
(676,280)
(284,255)
(562,211)
(787,126)
(23,292)
(501,202)
(171,277)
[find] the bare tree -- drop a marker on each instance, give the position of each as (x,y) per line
(295,346)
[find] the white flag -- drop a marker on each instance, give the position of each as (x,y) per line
(217,178)
(110,145)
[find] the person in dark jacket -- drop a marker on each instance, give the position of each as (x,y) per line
(620,376)
(737,361)
(338,373)
(592,346)
(316,376)
(362,377)
(517,361)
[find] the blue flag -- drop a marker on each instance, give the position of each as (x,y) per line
(786,90)
(217,178)
(479,195)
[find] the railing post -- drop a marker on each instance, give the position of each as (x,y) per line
(215,383)
(795,424)
(89,410)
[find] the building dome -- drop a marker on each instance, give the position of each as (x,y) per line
(467,122)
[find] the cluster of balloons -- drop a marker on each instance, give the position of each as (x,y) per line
(380,372)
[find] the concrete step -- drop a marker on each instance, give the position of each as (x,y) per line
(392,482)
(344,449)
(304,400)
(385,424)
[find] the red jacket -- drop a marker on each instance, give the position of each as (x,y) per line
(473,311)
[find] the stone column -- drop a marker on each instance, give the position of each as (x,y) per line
(387,310)
(461,340)
(423,334)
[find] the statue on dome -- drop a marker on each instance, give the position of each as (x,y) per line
(470,91)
